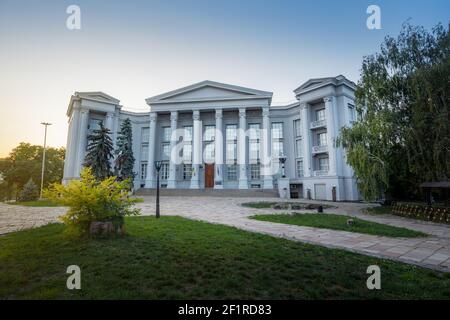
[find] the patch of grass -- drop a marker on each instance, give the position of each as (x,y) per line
(339,222)
(176,258)
(259,205)
(37,203)
(379,210)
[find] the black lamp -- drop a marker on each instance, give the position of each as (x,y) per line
(282,159)
(158,165)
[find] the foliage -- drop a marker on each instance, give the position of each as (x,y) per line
(125,158)
(403,136)
(24,162)
(99,153)
(29,192)
(91,200)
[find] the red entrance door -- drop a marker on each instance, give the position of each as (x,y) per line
(209,175)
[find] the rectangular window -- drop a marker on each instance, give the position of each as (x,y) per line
(209,153)
(187,171)
(320,114)
(144,151)
(187,133)
(255,171)
(166,134)
(277,130)
(232,172)
(143,170)
(165,151)
(145,134)
(322,139)
(231,148)
(299,167)
(297,128)
(298,148)
(164,170)
(323,164)
(277,139)
(231,132)
(187,153)
(210,132)
(351,112)
(254,142)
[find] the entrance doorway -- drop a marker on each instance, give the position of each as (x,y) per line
(209,175)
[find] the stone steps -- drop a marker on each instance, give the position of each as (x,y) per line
(243,193)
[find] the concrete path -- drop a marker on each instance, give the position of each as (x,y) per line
(432,252)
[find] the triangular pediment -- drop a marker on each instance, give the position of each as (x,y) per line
(208,90)
(99,96)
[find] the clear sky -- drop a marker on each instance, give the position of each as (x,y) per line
(136,49)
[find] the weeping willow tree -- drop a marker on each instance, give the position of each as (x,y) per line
(402,137)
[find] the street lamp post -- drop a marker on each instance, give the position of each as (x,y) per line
(158,168)
(282,160)
(46,124)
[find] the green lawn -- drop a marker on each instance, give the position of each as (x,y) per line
(37,203)
(339,222)
(379,210)
(176,258)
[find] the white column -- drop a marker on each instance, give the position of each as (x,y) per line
(306,138)
(329,114)
(109,122)
(218,151)
(71,147)
(150,181)
(242,148)
(82,140)
(266,161)
(197,152)
(172,182)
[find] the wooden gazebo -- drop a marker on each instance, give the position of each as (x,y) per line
(442,186)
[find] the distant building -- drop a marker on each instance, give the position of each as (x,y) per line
(215,135)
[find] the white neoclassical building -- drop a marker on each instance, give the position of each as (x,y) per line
(221,136)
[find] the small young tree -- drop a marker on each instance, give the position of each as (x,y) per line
(30,191)
(125,158)
(99,153)
(93,201)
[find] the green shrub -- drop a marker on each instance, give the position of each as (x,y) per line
(91,200)
(29,192)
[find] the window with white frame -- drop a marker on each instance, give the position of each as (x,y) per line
(143,170)
(322,139)
(320,114)
(210,132)
(187,153)
(164,172)
(231,148)
(297,128)
(299,168)
(231,172)
(209,136)
(165,150)
(166,134)
(351,112)
(144,151)
(255,171)
(298,148)
(187,171)
(145,134)
(277,140)
(323,164)
(254,142)
(187,136)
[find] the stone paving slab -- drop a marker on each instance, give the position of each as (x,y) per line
(431,252)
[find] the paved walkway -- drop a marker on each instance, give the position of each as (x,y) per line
(432,252)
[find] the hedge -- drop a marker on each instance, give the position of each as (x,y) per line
(422,212)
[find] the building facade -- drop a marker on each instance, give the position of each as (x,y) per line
(215,135)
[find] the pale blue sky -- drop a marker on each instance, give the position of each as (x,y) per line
(136,49)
